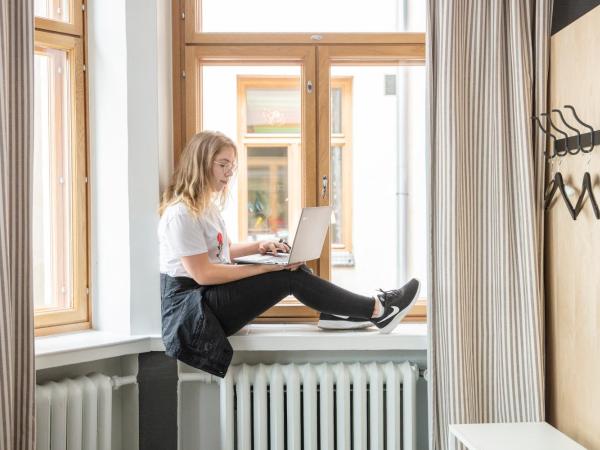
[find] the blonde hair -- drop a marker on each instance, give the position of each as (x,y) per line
(191,182)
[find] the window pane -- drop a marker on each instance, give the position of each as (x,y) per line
(337,221)
(336,110)
(386,210)
(260,108)
(52,181)
(52,9)
(312,16)
(267,193)
(273,110)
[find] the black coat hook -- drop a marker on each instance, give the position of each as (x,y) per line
(560,114)
(587,187)
(558,184)
(549,121)
(585,125)
(537,120)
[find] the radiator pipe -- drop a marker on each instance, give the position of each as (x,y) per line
(197,376)
(117,382)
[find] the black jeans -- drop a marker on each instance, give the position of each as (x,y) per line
(237,303)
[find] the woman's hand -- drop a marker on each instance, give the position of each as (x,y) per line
(273,247)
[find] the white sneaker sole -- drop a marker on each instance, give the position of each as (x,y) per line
(396,320)
(342,325)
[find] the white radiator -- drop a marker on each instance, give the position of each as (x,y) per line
(76,414)
(317,406)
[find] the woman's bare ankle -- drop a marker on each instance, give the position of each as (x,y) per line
(377,308)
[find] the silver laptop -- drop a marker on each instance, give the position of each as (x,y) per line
(308,242)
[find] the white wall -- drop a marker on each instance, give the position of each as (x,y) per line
(143,121)
(109,164)
(129,84)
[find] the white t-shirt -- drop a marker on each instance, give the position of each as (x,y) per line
(180,233)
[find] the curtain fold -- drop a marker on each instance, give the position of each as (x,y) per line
(17,374)
(487,75)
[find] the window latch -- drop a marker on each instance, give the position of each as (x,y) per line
(324,186)
(309,87)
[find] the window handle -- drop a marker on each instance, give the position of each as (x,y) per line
(324,186)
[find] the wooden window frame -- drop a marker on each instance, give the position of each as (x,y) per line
(264,48)
(193,34)
(74,27)
(71,39)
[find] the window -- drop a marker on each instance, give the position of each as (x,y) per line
(332,16)
(329,119)
(341,170)
(60,255)
(269,134)
(62,16)
(268,137)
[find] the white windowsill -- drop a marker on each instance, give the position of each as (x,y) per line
(303,337)
(85,346)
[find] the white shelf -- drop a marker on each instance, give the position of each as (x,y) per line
(514,436)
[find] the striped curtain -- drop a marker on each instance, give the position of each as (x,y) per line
(487,73)
(17,375)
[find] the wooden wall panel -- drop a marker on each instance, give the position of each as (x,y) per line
(572,248)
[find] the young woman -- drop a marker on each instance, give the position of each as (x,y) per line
(205,297)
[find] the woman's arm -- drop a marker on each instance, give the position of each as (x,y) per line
(243,249)
(206,273)
(249,248)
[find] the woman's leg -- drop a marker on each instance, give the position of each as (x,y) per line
(237,303)
(327,297)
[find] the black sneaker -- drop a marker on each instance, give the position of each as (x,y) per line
(396,304)
(333,322)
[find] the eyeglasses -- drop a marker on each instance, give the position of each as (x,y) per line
(227,166)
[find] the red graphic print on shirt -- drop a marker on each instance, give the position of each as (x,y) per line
(219,244)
